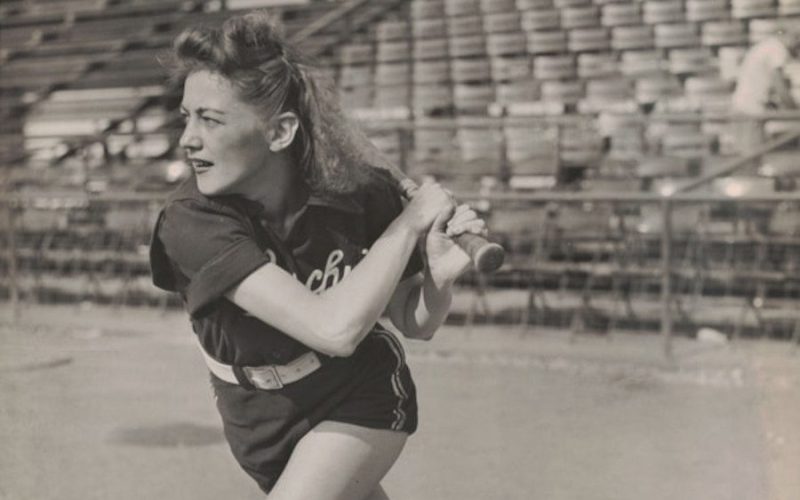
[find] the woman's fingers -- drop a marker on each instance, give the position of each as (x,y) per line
(465,220)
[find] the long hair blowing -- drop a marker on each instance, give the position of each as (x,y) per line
(271,74)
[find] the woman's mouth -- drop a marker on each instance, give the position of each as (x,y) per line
(199,166)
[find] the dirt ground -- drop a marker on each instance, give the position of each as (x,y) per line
(101,403)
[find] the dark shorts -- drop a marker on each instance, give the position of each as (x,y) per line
(372,388)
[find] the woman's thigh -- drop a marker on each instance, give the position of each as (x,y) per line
(338,461)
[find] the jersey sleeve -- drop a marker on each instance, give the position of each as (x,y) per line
(384,203)
(213,248)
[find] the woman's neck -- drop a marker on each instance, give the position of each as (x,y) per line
(281,193)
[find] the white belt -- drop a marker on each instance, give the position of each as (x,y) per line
(268,377)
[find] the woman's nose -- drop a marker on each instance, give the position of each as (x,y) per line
(189,138)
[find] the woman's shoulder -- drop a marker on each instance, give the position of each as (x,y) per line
(187,195)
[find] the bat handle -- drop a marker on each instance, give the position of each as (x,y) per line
(486,256)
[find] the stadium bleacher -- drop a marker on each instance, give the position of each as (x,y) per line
(588,96)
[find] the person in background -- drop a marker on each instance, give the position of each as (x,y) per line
(762,84)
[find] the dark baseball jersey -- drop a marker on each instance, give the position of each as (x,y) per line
(203,246)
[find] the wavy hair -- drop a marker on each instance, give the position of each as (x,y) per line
(268,72)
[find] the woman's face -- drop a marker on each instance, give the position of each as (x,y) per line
(224,139)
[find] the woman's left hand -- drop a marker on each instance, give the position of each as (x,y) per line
(446,260)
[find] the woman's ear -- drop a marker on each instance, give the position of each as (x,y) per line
(283,130)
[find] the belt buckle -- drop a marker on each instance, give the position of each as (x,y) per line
(265,377)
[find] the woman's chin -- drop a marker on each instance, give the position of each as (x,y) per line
(208,187)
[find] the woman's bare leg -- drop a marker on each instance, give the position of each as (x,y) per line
(338,461)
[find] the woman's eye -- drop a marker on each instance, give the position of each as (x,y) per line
(210,120)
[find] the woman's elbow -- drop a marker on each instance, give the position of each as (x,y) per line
(340,342)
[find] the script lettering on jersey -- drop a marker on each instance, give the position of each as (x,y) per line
(321,279)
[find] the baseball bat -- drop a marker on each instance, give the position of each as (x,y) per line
(486,256)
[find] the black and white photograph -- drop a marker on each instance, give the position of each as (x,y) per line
(400,249)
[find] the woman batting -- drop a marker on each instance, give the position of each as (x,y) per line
(286,246)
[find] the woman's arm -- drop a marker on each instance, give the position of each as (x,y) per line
(335,321)
(421,303)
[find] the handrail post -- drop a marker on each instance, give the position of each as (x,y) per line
(11,258)
(666,276)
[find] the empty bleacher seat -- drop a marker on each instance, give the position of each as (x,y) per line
(706,10)
(621,14)
(392,73)
(531,150)
(642,62)
(524,5)
(464,26)
(683,140)
(467,46)
(588,39)
(719,33)
(690,60)
(356,53)
(473,97)
(540,19)
(480,148)
(669,36)
(355,76)
(392,96)
(563,4)
(502,22)
(429,28)
(455,8)
(597,65)
(554,67)
(653,89)
(747,9)
(430,49)
(33,73)
(470,70)
(427,9)
(430,98)
(510,68)
(565,91)
(433,146)
(662,166)
(663,11)
(506,44)
(709,92)
(498,6)
(547,42)
(357,97)
(516,91)
(396,50)
(609,89)
(631,37)
(583,16)
(391,30)
(436,71)
(580,145)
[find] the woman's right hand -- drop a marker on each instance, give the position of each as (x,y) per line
(427,202)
